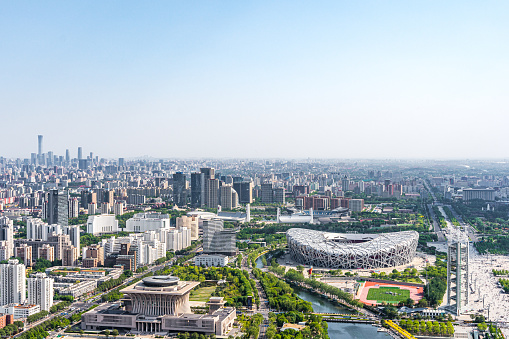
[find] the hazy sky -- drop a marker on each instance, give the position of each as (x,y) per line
(338,79)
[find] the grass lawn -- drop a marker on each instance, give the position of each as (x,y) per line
(202,293)
(388,294)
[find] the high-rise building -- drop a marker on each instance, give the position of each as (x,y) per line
(356,205)
(209,173)
(39,154)
(40,291)
(24,252)
(46,252)
(74,208)
(197,189)
(80,153)
(245,191)
(218,240)
(105,208)
(267,193)
(345,184)
(5,250)
(58,207)
(279,195)
(67,156)
(92,208)
(179,189)
(191,223)
(70,256)
(118,208)
(229,198)
(12,283)
(212,193)
(7,235)
(93,256)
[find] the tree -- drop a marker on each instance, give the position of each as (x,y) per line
(482,327)
(409,302)
(106,332)
(82,332)
(114,332)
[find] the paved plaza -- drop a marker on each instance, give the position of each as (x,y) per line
(485,293)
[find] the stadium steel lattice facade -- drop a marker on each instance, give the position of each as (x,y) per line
(351,251)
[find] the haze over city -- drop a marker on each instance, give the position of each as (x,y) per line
(288,79)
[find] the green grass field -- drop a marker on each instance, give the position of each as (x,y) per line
(202,293)
(388,294)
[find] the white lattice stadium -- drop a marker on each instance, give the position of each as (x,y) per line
(351,251)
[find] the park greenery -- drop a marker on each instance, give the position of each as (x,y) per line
(422,327)
(41,331)
(493,244)
(88,239)
(238,290)
(500,272)
(112,283)
(451,217)
(437,281)
(315,326)
(280,295)
(505,284)
(251,326)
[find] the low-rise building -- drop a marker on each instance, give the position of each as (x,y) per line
(78,289)
(210,260)
(20,311)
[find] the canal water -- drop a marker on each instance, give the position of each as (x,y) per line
(341,330)
(337,330)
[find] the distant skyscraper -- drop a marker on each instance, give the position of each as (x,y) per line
(245,191)
(179,189)
(58,207)
(267,193)
(229,198)
(40,291)
(80,153)
(74,208)
(67,156)
(197,189)
(208,172)
(40,145)
(345,184)
(212,193)
(12,283)
(121,161)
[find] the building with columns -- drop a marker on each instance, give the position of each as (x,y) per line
(160,304)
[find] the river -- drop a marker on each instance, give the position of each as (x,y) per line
(341,330)
(337,330)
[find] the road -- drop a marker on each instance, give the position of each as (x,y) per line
(436,225)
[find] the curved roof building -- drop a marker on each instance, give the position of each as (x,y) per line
(350,251)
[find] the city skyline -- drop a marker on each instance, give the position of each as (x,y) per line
(188,80)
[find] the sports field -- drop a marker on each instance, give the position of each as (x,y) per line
(388,294)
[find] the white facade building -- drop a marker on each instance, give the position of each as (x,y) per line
(210,260)
(178,239)
(142,222)
(12,283)
(101,224)
(20,311)
(40,291)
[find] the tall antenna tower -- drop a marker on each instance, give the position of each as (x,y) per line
(457,270)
